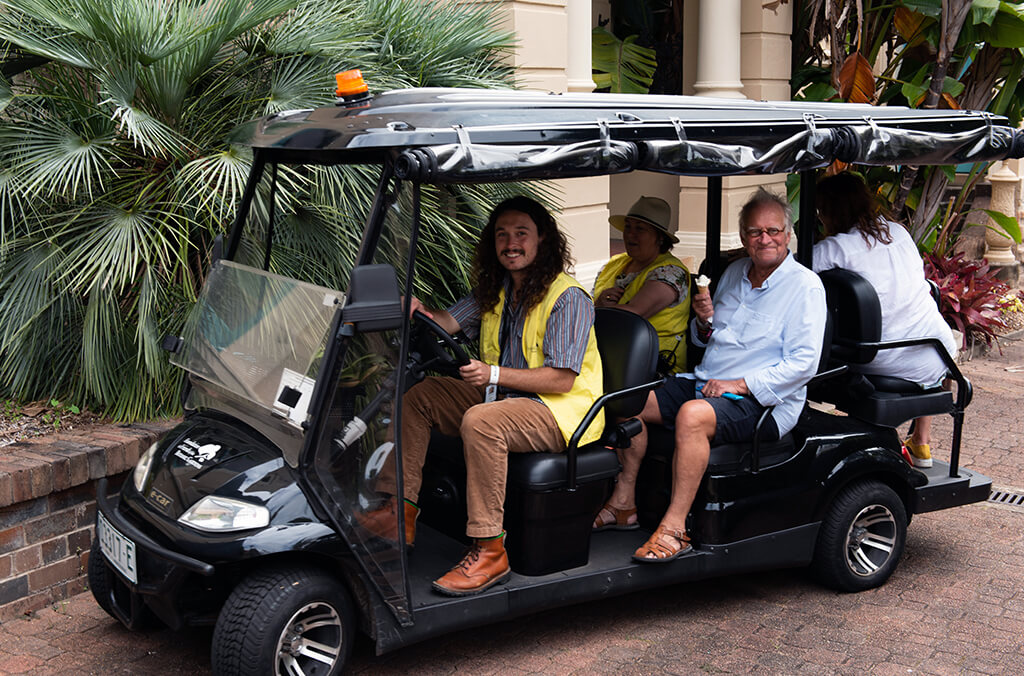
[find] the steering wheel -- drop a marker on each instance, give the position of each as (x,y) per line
(441,351)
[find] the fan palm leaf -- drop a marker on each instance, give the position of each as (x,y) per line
(50,157)
(116,173)
(39,323)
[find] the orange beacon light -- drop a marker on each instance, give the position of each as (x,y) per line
(351,87)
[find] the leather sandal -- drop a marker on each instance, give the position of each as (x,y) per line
(666,544)
(616,519)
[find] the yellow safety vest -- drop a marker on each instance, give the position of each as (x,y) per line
(568,408)
(670,322)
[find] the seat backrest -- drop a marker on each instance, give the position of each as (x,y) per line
(856,314)
(826,342)
(629,357)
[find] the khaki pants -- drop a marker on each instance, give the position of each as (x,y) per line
(489,431)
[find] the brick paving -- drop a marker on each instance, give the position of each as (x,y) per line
(955,604)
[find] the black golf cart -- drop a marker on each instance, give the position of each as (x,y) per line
(246,515)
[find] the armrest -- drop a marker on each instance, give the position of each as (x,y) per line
(964,390)
(826,375)
(592,412)
(755,450)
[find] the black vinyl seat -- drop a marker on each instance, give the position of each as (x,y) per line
(883,400)
(551,498)
(628,345)
(727,458)
(880,399)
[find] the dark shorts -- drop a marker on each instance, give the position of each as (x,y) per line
(735,419)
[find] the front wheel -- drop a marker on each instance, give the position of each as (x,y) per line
(290,620)
(101,582)
(861,538)
(103,585)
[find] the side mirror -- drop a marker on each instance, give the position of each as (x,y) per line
(171,343)
(373,302)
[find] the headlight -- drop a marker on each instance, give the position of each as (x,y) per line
(217,514)
(142,467)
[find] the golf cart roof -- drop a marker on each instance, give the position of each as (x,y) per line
(475,135)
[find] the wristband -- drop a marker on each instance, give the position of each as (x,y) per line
(494,375)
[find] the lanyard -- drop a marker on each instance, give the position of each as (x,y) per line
(505,332)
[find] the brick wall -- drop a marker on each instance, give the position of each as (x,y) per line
(48,508)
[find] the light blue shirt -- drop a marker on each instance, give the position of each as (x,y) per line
(770,336)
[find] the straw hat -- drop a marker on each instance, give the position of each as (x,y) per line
(653,211)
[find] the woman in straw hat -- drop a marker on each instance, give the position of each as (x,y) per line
(654,284)
(647,279)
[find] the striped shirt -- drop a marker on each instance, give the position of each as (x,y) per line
(565,334)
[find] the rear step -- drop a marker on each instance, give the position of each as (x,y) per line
(943,491)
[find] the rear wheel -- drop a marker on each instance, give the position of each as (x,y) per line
(293,620)
(861,538)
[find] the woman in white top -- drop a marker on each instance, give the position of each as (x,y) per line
(859,238)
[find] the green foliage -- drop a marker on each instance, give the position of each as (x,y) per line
(12,409)
(57,411)
(621,66)
(901,42)
(115,175)
(1008,225)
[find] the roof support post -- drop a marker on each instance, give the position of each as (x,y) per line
(713,242)
(808,218)
(235,236)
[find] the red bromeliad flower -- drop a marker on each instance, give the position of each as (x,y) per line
(968,294)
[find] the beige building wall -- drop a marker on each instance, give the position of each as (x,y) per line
(541,55)
(765,50)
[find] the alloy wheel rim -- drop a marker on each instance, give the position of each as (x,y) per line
(870,540)
(310,643)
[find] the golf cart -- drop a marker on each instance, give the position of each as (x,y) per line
(246,516)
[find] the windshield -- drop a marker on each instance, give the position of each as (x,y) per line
(257,338)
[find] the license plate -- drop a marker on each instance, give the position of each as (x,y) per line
(118,549)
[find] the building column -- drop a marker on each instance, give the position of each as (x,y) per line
(540,55)
(718,49)
(578,70)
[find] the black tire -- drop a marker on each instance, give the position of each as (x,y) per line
(861,538)
(101,584)
(100,579)
(260,629)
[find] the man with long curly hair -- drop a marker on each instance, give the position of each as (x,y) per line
(538,374)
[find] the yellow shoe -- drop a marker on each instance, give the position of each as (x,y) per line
(921,455)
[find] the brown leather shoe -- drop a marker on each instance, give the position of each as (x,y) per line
(483,566)
(383,521)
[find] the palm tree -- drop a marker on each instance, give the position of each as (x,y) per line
(115,175)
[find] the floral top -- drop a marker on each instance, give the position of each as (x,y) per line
(673,275)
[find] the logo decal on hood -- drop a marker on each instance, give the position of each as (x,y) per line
(160,499)
(196,455)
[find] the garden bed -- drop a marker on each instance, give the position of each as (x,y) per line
(21,422)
